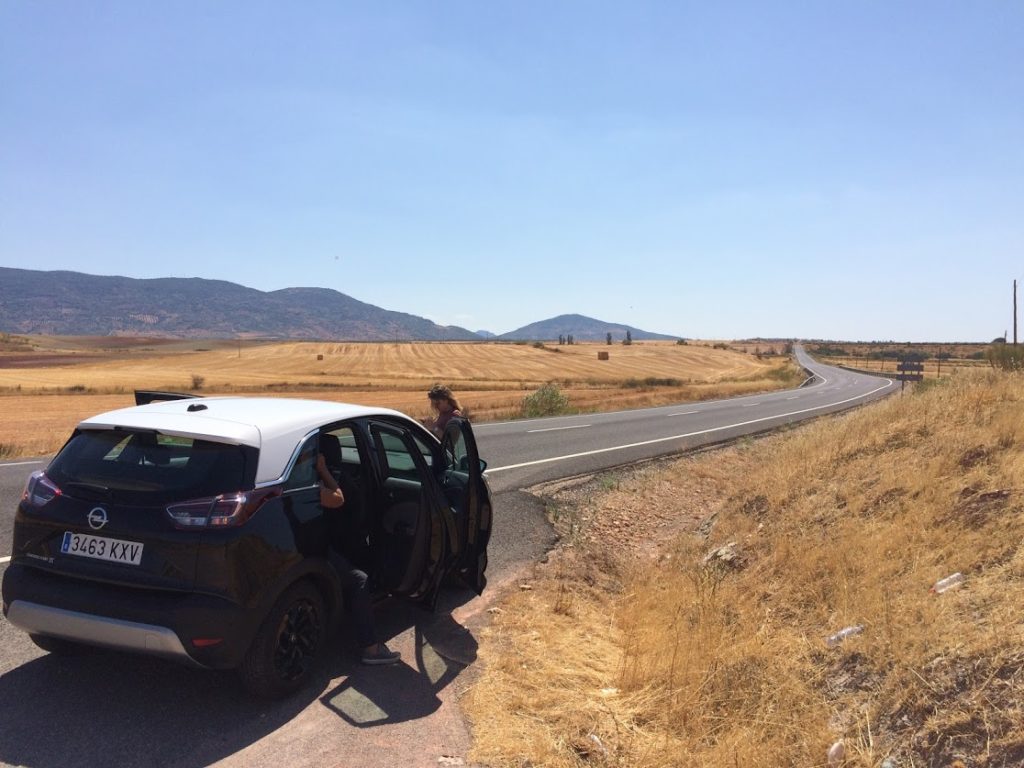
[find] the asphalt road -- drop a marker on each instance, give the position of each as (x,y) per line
(523,453)
(110,709)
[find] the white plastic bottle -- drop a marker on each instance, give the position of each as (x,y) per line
(833,640)
(950,582)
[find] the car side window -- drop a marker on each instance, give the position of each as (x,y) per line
(303,474)
(340,449)
(425,449)
(456,452)
(397,460)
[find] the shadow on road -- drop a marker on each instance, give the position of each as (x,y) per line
(105,708)
(375,696)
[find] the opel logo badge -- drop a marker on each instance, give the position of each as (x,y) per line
(97,518)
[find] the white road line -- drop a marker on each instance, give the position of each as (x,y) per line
(794,397)
(683,413)
(492,470)
(557,429)
(4,560)
(20,463)
(750,405)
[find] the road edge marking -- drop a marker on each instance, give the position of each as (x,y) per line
(558,429)
(491,470)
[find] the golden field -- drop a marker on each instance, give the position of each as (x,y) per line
(47,385)
(684,622)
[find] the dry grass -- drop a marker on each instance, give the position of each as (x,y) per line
(669,661)
(46,391)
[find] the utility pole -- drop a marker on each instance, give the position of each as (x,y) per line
(1015,313)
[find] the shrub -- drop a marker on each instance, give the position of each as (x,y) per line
(1008,357)
(652,381)
(546,401)
(197,381)
(824,350)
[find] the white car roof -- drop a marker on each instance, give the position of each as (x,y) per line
(273,425)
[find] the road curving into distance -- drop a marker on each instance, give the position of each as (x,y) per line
(523,453)
(116,709)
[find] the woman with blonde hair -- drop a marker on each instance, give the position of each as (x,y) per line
(446,407)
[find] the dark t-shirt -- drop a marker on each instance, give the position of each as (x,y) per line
(442,421)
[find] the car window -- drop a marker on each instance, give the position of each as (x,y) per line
(340,449)
(425,449)
(396,455)
(303,474)
(456,453)
(147,468)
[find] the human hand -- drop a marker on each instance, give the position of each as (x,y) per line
(331,499)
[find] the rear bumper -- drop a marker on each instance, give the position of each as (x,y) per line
(150,622)
(88,628)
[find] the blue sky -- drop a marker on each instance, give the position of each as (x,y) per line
(711,170)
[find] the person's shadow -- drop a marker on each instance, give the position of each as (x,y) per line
(375,696)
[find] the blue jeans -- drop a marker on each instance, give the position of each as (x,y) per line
(357,597)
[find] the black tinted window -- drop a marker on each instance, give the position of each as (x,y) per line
(303,474)
(395,454)
(143,467)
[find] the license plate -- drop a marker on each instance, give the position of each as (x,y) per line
(100,548)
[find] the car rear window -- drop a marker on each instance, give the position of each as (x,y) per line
(150,468)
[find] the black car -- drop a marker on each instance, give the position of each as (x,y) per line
(193,529)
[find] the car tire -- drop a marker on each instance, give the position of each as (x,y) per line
(288,644)
(58,646)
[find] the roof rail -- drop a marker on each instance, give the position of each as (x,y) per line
(145,396)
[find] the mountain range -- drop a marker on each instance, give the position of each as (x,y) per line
(75,304)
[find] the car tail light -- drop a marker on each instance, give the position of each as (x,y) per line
(39,490)
(225,511)
(206,642)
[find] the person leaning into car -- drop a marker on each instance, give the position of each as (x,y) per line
(444,404)
(353,580)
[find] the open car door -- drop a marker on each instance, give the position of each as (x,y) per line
(462,478)
(413,536)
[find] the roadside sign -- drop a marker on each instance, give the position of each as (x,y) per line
(909,370)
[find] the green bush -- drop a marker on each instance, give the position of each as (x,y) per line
(652,381)
(546,401)
(1008,357)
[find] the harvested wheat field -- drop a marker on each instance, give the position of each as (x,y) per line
(381,365)
(75,378)
(686,619)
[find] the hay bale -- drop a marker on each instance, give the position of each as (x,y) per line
(602,355)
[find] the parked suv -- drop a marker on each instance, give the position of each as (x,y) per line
(192,529)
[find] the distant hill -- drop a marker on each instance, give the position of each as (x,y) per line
(76,304)
(582,329)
